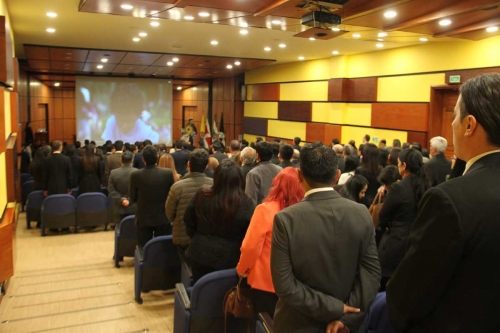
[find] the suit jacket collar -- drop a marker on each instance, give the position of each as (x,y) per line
(488,161)
(193,175)
(325,195)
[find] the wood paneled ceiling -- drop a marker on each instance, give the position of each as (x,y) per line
(88,29)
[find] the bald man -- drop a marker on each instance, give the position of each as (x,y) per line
(339,150)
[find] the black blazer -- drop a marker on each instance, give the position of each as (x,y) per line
(341,163)
(323,255)
(57,174)
(37,170)
(449,278)
(438,168)
(149,188)
(138,163)
(181,158)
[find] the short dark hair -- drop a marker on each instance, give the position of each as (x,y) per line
(367,137)
(216,146)
(335,141)
(147,143)
(132,147)
(481,99)
(265,150)
(235,145)
(178,144)
(286,152)
(78,144)
(150,155)
(86,141)
(396,143)
(276,148)
(55,145)
(119,145)
(371,158)
(244,143)
(127,157)
(388,175)
(406,145)
(318,164)
(383,141)
(198,160)
(277,140)
(417,146)
(258,139)
(351,163)
(296,140)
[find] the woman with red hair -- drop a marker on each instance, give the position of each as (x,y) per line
(255,259)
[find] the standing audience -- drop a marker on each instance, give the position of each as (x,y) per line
(438,166)
(355,188)
(56,176)
(91,172)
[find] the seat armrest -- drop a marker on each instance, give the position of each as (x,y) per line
(183,295)
(266,320)
(140,251)
(187,267)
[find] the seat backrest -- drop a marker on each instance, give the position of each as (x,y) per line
(35,200)
(161,252)
(25,177)
(91,202)
(127,228)
(59,204)
(104,190)
(28,187)
(74,192)
(208,293)
(377,320)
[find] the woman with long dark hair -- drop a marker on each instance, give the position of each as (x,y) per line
(216,220)
(75,164)
(351,163)
(37,167)
(400,211)
(255,259)
(91,171)
(355,188)
(370,168)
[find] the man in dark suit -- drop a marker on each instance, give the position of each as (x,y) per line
(296,143)
(339,150)
(448,279)
(118,187)
(56,177)
(181,158)
(114,160)
(138,161)
(149,188)
(285,155)
(438,166)
(324,261)
(217,151)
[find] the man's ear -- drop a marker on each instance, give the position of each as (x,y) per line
(471,125)
(337,176)
(300,175)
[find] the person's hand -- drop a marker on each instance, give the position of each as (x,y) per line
(125,203)
(45,193)
(69,191)
(336,327)
(381,190)
(350,309)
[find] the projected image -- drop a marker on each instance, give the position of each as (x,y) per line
(124,109)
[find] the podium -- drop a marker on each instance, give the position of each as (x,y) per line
(41,138)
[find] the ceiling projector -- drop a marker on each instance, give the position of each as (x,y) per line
(321,19)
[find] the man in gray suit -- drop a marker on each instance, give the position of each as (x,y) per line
(324,261)
(118,188)
(113,160)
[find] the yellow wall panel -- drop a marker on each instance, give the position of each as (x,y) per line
(8,125)
(249,93)
(261,110)
(357,133)
(358,114)
(286,129)
(411,88)
(250,138)
(332,113)
(339,66)
(289,72)
(3,184)
(304,91)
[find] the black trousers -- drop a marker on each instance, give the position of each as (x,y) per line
(145,234)
(264,301)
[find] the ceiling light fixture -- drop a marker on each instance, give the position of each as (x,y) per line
(244,25)
(312,38)
(244,31)
(188,17)
(143,34)
(104,60)
(127,7)
(170,63)
(100,66)
(282,45)
(335,29)
(51,30)
(423,39)
(444,22)
(175,59)
(57,84)
(136,39)
(335,52)
(155,24)
(179,88)
(301,58)
(380,45)
(492,29)
(154,18)
(237,63)
(380,40)
(382,34)
(229,66)
(390,14)
(276,22)
(203,14)
(51,14)
(356,35)
(215,22)
(267,49)
(214,42)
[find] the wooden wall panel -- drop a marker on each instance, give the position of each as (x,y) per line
(470,73)
(420,137)
(272,138)
(10,150)
(337,89)
(401,116)
(14,111)
(266,92)
(2,122)
(322,132)
(6,246)
(332,132)
(257,126)
(362,90)
(296,111)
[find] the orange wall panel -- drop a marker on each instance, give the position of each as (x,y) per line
(401,116)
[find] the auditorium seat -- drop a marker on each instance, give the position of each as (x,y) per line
(91,210)
(264,323)
(125,239)
(26,189)
(25,177)
(376,320)
(74,192)
(34,207)
(58,211)
(157,266)
(186,273)
(200,308)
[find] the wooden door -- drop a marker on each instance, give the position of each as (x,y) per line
(450,98)
(188,112)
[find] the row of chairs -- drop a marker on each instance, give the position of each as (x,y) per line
(63,211)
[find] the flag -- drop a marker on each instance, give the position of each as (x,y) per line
(214,127)
(208,136)
(222,136)
(202,127)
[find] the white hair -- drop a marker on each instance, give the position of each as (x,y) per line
(247,155)
(296,154)
(439,143)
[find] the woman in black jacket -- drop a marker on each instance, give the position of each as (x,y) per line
(216,220)
(75,164)
(400,210)
(38,166)
(91,171)
(370,168)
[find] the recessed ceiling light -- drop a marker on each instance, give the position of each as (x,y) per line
(51,30)
(382,34)
(179,88)
(244,31)
(127,7)
(154,18)
(204,14)
(492,29)
(229,66)
(57,84)
(423,39)
(170,63)
(51,14)
(335,52)
(335,29)
(215,22)
(276,22)
(356,35)
(143,34)
(282,45)
(380,40)
(155,24)
(444,22)
(104,60)
(267,49)
(136,39)
(175,59)
(390,14)
(100,66)
(214,42)
(380,45)
(195,88)
(312,38)
(237,63)
(244,25)
(188,17)
(301,58)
